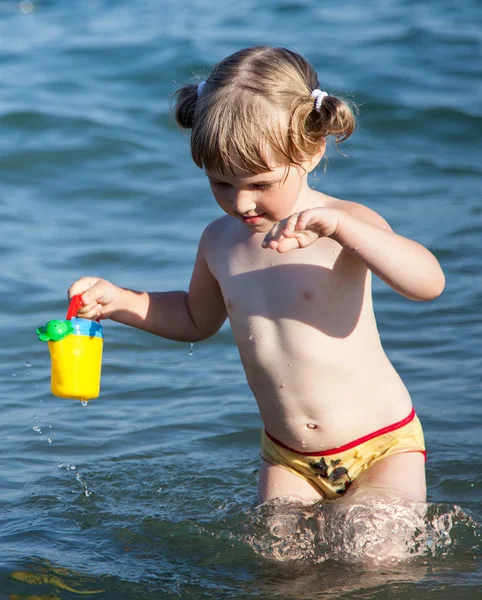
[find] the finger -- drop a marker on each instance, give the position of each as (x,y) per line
(284,228)
(302,239)
(81,285)
(274,244)
(287,244)
(273,235)
(305,219)
(291,225)
(307,237)
(90,312)
(95,294)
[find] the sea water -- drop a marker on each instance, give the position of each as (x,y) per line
(149,492)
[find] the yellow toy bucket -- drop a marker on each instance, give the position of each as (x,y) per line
(75,347)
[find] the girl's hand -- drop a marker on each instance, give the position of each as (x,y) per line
(98,296)
(302,229)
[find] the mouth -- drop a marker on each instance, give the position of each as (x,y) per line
(253,220)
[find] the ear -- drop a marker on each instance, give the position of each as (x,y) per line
(313,162)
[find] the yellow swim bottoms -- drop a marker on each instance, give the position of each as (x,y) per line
(332,471)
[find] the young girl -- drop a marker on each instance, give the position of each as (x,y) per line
(291,268)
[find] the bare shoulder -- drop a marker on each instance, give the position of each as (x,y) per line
(357,210)
(215,230)
(216,239)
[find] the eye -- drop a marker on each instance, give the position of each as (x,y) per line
(218,183)
(263,186)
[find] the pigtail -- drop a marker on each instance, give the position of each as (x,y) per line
(311,123)
(337,118)
(184,108)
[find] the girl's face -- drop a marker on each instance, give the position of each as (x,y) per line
(262,199)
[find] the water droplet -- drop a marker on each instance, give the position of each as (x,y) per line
(72,467)
(50,440)
(26,7)
(37,429)
(28,364)
(195,530)
(84,402)
(14,375)
(225,535)
(283,385)
(191,349)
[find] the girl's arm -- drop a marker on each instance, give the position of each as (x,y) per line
(182,316)
(406,266)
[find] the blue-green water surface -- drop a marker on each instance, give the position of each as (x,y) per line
(149,491)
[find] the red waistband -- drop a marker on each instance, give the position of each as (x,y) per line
(357,442)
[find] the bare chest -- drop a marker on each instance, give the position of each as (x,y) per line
(315,285)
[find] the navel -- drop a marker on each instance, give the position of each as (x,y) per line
(311,426)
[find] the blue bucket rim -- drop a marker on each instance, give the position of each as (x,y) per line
(86,327)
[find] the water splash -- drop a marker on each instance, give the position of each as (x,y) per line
(447,529)
(283,529)
(372,529)
(191,349)
(86,492)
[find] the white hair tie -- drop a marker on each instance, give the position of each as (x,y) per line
(200,87)
(318,95)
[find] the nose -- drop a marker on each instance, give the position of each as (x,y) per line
(243,201)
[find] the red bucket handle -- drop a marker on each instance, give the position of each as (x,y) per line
(74,306)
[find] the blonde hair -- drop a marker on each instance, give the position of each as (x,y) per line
(255,108)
